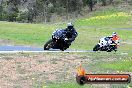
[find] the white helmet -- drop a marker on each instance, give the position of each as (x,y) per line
(114,33)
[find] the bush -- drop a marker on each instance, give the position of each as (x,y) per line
(22,17)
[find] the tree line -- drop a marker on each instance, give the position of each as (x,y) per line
(46,10)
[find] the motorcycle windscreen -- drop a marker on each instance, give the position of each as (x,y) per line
(58,34)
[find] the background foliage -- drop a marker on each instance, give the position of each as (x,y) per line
(49,10)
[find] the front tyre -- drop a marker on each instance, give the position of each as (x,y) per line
(48,45)
(96,48)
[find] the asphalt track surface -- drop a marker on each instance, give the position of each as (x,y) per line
(19,48)
(29,49)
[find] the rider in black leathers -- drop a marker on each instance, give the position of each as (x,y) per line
(71,33)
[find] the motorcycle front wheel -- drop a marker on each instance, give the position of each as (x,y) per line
(96,47)
(48,45)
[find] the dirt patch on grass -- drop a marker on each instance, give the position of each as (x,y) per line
(28,70)
(5,42)
(36,70)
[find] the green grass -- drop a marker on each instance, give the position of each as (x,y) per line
(25,33)
(90,29)
(101,62)
(73,85)
(38,34)
(108,17)
(110,20)
(125,65)
(68,85)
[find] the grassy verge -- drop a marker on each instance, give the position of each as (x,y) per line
(58,70)
(68,85)
(90,29)
(125,65)
(38,34)
(25,33)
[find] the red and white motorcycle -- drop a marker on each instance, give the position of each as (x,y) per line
(106,44)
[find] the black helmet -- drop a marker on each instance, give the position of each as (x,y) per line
(70,26)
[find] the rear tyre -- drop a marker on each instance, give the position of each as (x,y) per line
(62,49)
(48,45)
(64,46)
(115,48)
(109,50)
(96,48)
(112,48)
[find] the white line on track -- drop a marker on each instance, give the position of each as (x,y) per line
(72,51)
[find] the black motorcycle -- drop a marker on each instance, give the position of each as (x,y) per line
(58,41)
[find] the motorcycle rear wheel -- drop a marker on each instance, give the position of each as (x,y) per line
(112,48)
